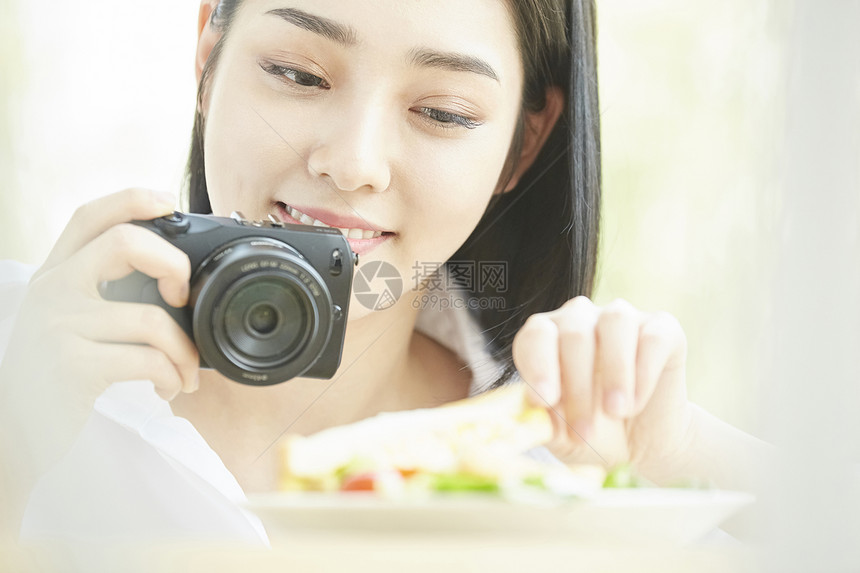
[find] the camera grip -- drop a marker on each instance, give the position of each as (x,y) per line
(138,287)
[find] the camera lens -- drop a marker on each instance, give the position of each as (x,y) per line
(266,319)
(262,319)
(262,313)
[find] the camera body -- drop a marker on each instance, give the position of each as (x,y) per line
(268,301)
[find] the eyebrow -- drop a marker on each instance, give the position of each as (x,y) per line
(452,61)
(344,35)
(347,36)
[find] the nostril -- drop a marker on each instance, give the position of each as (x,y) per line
(349,170)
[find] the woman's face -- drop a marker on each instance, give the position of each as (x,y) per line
(379,115)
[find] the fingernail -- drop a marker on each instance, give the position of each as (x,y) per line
(548,392)
(616,403)
(582,429)
(192,387)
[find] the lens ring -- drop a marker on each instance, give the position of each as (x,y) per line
(256,258)
(288,297)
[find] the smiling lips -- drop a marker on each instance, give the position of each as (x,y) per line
(360,239)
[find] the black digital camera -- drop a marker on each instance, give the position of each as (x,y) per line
(268,301)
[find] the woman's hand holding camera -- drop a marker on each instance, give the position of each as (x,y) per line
(613,379)
(68,344)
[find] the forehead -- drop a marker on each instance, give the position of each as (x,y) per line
(393,28)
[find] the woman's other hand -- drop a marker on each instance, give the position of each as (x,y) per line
(613,379)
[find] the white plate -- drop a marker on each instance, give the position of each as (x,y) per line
(611,516)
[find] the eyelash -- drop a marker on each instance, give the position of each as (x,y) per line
(293,75)
(447,119)
(439,118)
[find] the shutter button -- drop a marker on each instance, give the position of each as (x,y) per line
(174,224)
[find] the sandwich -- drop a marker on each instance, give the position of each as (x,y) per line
(474,445)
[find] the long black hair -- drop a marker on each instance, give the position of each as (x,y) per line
(546,229)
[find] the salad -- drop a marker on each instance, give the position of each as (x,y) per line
(473,446)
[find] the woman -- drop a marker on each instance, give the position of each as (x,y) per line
(452,130)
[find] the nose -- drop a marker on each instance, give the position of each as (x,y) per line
(351,150)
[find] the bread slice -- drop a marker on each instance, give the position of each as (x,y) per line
(482,435)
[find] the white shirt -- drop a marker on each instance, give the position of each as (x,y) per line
(138,472)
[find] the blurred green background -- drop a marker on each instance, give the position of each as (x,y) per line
(691,98)
(692,95)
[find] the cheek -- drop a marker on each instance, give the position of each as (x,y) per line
(452,186)
(246,155)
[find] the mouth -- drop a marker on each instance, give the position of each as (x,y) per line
(354,228)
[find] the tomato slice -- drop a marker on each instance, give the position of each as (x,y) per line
(360,482)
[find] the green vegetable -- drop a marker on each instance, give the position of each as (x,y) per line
(535,481)
(355,466)
(464,482)
(623,476)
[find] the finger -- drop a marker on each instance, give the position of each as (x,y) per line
(615,363)
(662,346)
(137,323)
(566,444)
(94,218)
(576,322)
(126,248)
(535,352)
(103,364)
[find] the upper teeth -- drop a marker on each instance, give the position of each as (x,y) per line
(348,233)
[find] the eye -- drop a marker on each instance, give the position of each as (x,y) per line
(448,119)
(298,77)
